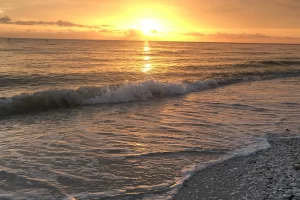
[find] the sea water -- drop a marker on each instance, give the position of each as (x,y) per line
(133,120)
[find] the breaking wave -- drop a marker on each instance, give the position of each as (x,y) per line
(128,92)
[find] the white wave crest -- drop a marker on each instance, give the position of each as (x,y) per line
(128,92)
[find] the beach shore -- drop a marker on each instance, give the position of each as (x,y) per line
(271,174)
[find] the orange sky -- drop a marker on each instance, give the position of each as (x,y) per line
(169,20)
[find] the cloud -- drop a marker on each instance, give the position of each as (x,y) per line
(60,23)
(70,30)
(250,37)
(66,24)
(291,5)
(29,23)
(5,19)
(196,34)
(112,31)
(106,25)
(228,35)
(6,6)
(240,35)
(105,30)
(30,30)
(133,33)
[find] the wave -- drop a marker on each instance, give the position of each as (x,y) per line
(263,64)
(25,185)
(286,65)
(128,92)
(181,153)
(270,63)
(8,80)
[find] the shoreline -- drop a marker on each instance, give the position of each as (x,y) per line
(272,174)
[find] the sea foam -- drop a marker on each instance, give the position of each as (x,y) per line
(128,92)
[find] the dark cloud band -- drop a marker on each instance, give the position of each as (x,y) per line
(60,23)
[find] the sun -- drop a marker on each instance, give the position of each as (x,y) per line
(150,26)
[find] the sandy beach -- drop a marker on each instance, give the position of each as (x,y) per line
(269,174)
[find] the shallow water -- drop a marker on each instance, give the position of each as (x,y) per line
(193,104)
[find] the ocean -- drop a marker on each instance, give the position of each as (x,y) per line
(132,119)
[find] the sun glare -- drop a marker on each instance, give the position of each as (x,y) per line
(150,26)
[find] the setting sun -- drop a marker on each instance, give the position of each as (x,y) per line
(170,20)
(150,26)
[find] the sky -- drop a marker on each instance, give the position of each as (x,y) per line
(253,21)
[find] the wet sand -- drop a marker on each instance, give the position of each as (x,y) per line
(271,174)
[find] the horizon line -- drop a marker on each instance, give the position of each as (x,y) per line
(132,40)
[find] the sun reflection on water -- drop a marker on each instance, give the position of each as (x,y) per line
(147,67)
(146,48)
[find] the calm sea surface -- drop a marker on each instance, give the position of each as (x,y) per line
(133,120)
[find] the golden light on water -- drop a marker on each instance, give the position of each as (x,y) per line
(147,67)
(146,48)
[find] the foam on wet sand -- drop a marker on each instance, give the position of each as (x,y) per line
(269,174)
